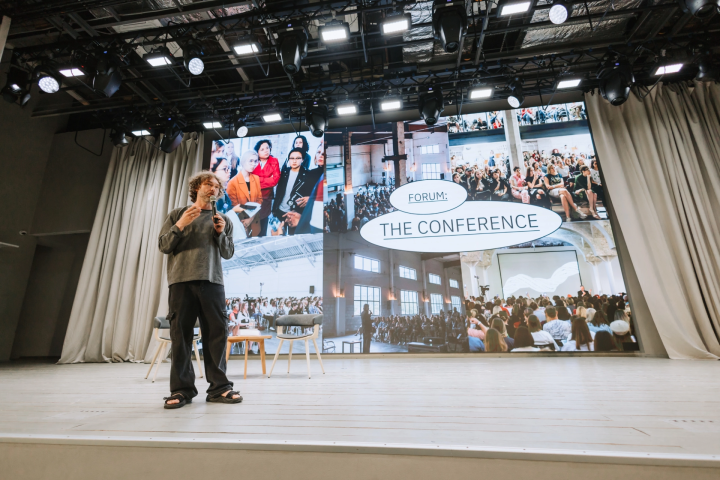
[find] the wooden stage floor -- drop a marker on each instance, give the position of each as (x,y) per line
(634,410)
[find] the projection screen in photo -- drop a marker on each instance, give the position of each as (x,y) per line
(546,273)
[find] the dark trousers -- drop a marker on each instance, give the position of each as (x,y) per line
(188,302)
(367,337)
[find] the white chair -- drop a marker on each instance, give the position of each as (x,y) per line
(303,321)
(161,323)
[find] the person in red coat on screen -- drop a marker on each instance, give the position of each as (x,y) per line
(268,170)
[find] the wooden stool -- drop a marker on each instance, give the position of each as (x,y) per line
(247,337)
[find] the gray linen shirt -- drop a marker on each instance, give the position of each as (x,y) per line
(194,252)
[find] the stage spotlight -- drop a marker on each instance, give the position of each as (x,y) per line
(247,46)
(316,118)
(241,129)
(569,83)
(107,77)
(559,12)
(118,138)
(396,24)
(449,23)
(668,69)
(702,9)
(47,80)
(707,72)
(431,106)
(516,98)
(210,125)
(335,31)
(481,92)
(390,104)
(615,83)
(347,109)
(292,48)
(513,8)
(16,87)
(141,133)
(159,57)
(191,58)
(272,117)
(172,139)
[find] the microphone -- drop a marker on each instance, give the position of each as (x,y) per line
(213,202)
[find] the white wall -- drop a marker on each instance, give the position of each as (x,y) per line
(292,278)
(576,144)
(423,139)
(476,153)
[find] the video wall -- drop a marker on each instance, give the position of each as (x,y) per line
(274,197)
(462,245)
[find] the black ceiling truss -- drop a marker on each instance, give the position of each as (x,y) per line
(362,70)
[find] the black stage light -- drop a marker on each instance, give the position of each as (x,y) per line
(172,140)
(559,12)
(292,48)
(118,137)
(47,79)
(707,72)
(107,78)
(517,97)
(702,9)
(449,23)
(316,118)
(16,87)
(615,82)
(192,53)
(431,105)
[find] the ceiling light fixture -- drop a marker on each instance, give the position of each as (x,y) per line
(292,48)
(191,58)
(615,82)
(47,79)
(569,83)
(141,133)
(210,125)
(316,118)
(431,106)
(702,9)
(72,72)
(449,23)
(396,24)
(513,8)
(272,117)
(335,31)
(391,104)
(348,109)
(516,98)
(668,69)
(559,12)
(159,57)
(247,46)
(481,92)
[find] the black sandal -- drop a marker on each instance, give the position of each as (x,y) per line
(226,398)
(177,396)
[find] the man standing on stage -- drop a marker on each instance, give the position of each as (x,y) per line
(195,241)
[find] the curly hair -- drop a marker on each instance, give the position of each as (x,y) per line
(198,179)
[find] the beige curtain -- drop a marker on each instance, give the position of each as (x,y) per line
(120,285)
(660,157)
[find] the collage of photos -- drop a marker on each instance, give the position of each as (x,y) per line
(567,285)
(273,196)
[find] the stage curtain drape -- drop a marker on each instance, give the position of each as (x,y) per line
(660,157)
(122,276)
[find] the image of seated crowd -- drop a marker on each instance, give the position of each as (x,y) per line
(475,122)
(371,201)
(282,188)
(261,313)
(563,112)
(566,182)
(585,322)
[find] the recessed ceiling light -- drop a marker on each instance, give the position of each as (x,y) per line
(573,82)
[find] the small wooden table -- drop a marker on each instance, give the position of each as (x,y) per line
(247,336)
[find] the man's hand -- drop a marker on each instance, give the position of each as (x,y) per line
(187,218)
(301,202)
(292,218)
(246,222)
(219,224)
